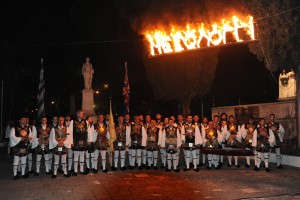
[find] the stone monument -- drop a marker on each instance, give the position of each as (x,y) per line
(287,85)
(88,92)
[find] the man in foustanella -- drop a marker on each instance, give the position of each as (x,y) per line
(42,149)
(191,140)
(20,140)
(59,143)
(81,138)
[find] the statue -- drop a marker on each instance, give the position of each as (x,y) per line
(291,84)
(287,84)
(283,83)
(87,72)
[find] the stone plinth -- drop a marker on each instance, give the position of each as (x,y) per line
(88,102)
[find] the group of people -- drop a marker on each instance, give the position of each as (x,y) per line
(80,143)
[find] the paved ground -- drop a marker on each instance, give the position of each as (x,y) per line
(206,184)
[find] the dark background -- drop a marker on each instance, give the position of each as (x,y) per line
(63,33)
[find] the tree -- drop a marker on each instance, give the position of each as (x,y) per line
(182,76)
(278,25)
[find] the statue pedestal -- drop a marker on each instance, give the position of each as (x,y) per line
(88,102)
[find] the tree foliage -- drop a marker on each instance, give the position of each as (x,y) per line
(278,25)
(182,76)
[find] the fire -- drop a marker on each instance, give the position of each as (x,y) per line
(197,36)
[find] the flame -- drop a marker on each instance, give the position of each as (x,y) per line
(193,36)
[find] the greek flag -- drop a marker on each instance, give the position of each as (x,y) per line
(41,93)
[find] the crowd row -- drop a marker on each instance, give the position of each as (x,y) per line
(80,142)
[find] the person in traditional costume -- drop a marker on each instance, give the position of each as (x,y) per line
(120,144)
(89,153)
(171,142)
(233,139)
(59,143)
(101,143)
(263,140)
(191,140)
(247,137)
(81,138)
(212,141)
(278,131)
(20,140)
(137,141)
(203,127)
(42,149)
(152,145)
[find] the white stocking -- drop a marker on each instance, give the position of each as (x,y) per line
(187,158)
(16,164)
(38,163)
(96,155)
(103,158)
(87,159)
(122,158)
(30,161)
(155,155)
(23,162)
(76,158)
(81,160)
(70,159)
(149,157)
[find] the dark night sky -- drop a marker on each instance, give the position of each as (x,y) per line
(64,33)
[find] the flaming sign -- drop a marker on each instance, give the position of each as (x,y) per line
(198,36)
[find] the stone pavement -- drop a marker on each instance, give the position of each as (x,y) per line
(149,184)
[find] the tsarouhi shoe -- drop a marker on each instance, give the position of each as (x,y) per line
(148,167)
(16,177)
(155,168)
(177,170)
(279,167)
(87,170)
(167,170)
(36,174)
(105,171)
(25,176)
(31,172)
(67,175)
(53,176)
(268,170)
(114,168)
(256,168)
(247,166)
(48,173)
(186,169)
(123,168)
(237,166)
(196,170)
(74,174)
(131,167)
(141,167)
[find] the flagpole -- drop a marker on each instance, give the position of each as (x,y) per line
(2,83)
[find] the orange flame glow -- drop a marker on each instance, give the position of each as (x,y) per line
(198,36)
